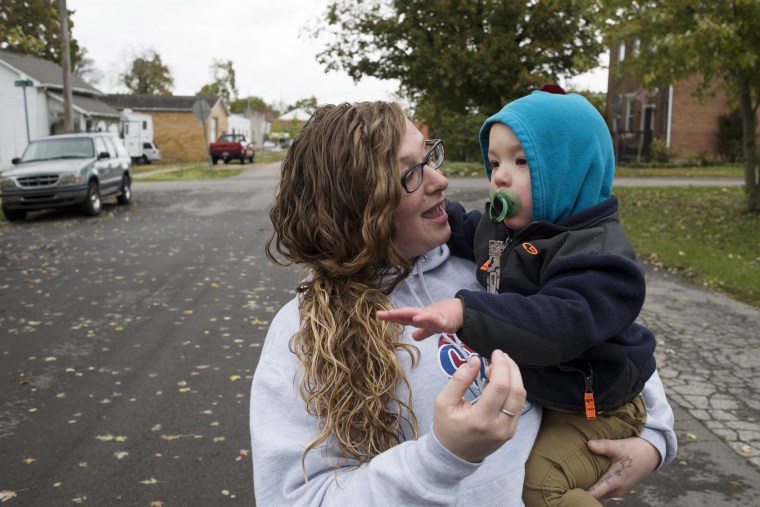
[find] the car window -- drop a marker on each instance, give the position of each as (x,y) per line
(100,146)
(120,149)
(111,148)
(147,146)
(70,147)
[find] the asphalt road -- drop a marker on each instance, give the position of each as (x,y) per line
(128,343)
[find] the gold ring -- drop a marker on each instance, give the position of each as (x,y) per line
(510,414)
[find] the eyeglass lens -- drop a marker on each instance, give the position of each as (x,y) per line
(433,158)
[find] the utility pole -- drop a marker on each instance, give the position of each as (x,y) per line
(68,99)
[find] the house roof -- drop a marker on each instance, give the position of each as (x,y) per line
(157,102)
(89,105)
(47,74)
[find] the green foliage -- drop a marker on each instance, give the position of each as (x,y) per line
(309,105)
(462,57)
(33,27)
(222,83)
(659,151)
(702,233)
(148,75)
(458,131)
(251,103)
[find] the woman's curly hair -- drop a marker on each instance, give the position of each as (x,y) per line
(334,214)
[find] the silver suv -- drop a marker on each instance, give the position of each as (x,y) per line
(67,170)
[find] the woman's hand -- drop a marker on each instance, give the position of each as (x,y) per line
(445,316)
(631,461)
(474,431)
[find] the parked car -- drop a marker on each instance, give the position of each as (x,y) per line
(231,147)
(67,170)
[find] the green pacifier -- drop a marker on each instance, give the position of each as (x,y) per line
(502,204)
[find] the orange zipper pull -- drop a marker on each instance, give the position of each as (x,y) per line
(588,398)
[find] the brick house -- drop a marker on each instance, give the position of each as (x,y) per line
(176,130)
(672,114)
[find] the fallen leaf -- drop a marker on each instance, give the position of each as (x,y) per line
(747,448)
(6,495)
(157,503)
(105,438)
(121,454)
(149,481)
(234,378)
(691,436)
(29,461)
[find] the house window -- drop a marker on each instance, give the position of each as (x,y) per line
(629,113)
(145,125)
(621,52)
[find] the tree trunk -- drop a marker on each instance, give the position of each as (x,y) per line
(751,171)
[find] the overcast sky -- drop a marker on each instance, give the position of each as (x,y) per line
(263,38)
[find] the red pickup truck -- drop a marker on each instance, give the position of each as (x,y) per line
(231,146)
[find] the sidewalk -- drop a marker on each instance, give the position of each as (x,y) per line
(708,355)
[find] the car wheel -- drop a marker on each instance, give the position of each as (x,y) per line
(144,160)
(242,158)
(226,161)
(125,197)
(14,214)
(92,205)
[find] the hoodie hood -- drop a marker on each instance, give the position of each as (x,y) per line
(569,151)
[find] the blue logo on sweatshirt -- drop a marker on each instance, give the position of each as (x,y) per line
(452,354)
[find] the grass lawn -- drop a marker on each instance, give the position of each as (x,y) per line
(702,233)
(193,172)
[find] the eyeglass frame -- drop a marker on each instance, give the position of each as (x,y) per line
(433,143)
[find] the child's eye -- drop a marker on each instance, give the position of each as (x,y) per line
(494,164)
(521,161)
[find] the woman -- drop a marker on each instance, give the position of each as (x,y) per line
(348,409)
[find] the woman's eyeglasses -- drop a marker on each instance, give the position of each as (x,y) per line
(411,179)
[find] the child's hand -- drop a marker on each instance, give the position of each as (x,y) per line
(445,316)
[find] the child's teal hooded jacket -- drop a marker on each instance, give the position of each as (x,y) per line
(570,287)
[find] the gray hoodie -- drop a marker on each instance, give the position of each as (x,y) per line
(418,471)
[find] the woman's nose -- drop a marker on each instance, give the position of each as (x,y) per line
(436,178)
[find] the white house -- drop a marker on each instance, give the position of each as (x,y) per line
(31,104)
(239,124)
(261,126)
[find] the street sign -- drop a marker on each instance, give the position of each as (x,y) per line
(201,110)
(24,83)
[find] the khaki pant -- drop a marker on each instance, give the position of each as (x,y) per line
(560,467)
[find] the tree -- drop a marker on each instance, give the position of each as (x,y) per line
(717,41)
(32,27)
(461,57)
(249,103)
(86,69)
(309,105)
(148,75)
(223,81)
